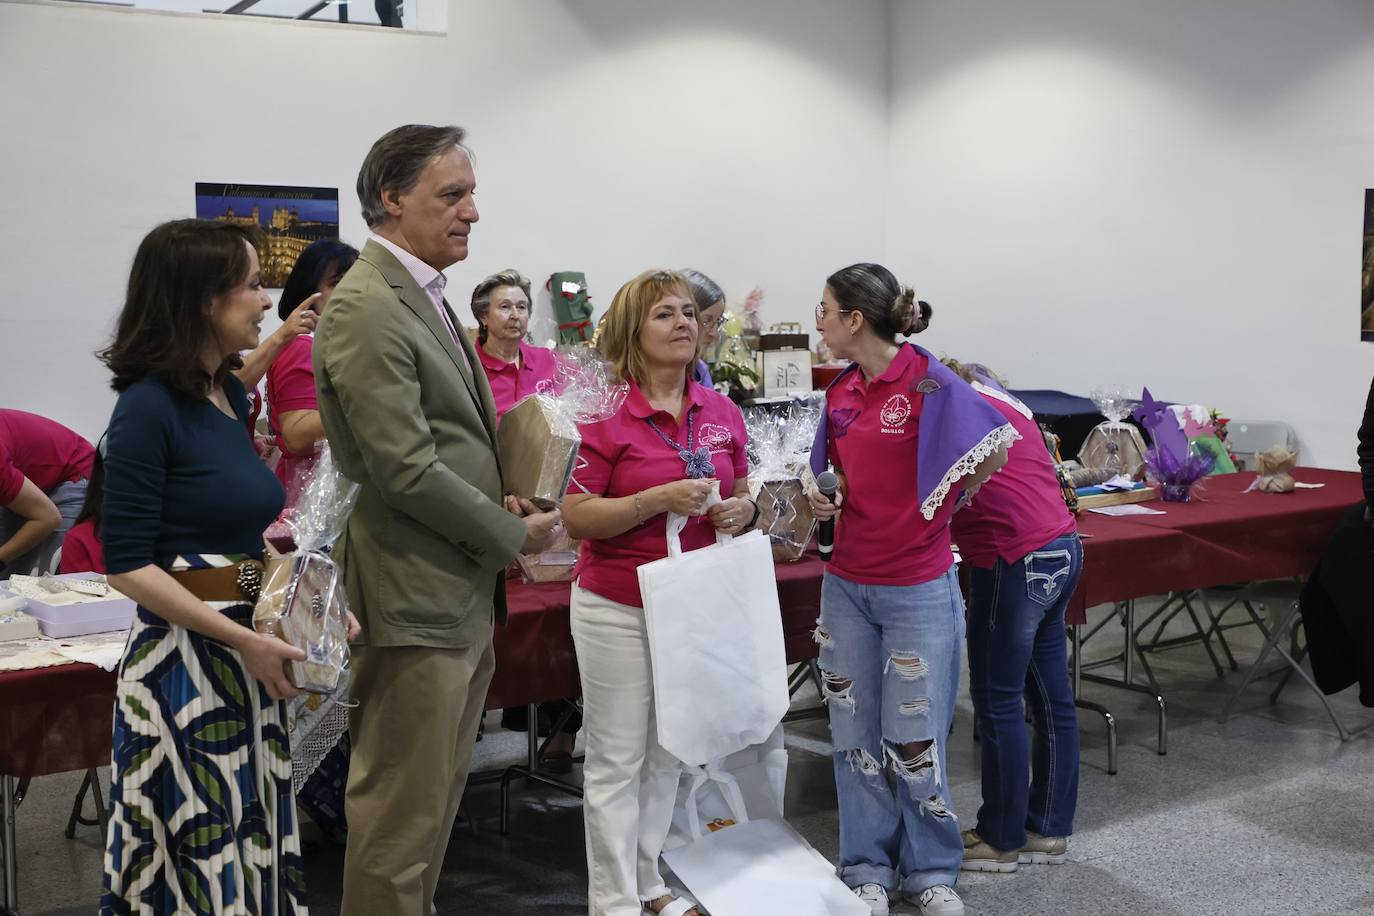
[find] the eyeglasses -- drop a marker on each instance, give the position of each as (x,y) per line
(821,312)
(712,324)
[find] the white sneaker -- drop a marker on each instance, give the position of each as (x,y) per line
(940,900)
(874,896)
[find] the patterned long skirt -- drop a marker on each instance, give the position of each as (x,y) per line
(203,820)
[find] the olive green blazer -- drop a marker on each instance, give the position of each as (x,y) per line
(425,551)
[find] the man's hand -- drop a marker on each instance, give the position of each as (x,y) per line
(541,529)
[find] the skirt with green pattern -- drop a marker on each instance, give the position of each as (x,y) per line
(202,815)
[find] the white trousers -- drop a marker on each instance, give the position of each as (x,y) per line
(629,781)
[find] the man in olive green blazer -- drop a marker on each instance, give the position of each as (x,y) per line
(409,416)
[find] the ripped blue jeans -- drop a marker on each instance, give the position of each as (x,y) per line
(890,665)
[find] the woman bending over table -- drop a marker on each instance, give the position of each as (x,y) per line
(672,444)
(906,436)
(1022,544)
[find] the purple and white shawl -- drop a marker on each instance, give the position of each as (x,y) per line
(959,430)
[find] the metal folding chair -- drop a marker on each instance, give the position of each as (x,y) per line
(1284,596)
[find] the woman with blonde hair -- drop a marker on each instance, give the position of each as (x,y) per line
(673,443)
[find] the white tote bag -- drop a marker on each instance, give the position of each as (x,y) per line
(735,854)
(716,645)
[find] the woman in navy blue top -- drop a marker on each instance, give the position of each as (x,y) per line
(203,819)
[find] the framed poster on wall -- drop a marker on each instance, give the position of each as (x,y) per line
(1367,273)
(288,218)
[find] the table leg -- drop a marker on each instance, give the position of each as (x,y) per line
(530,769)
(1076,674)
(10,897)
(1130,652)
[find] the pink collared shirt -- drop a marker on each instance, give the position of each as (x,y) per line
(511,383)
(881,537)
(291,386)
(43,450)
(623,456)
(431,281)
(1021,507)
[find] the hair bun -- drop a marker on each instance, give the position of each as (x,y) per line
(904,311)
(921,320)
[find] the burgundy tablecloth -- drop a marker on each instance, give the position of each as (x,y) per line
(53,720)
(58,719)
(1224,535)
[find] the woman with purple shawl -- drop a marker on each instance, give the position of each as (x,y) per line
(907,437)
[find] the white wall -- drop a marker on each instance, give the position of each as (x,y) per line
(1166,194)
(1162,193)
(747,140)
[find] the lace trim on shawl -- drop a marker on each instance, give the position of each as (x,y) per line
(1005,398)
(1005,434)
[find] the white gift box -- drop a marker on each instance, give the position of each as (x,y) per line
(65,618)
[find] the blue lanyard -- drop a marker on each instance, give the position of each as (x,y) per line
(697,461)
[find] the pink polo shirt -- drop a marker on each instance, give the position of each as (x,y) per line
(623,455)
(511,383)
(1020,508)
(880,536)
(291,386)
(42,450)
(82,550)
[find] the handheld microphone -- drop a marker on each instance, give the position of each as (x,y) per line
(828,484)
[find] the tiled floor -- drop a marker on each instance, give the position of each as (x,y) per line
(1268,813)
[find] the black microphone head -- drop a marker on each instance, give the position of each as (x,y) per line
(827,482)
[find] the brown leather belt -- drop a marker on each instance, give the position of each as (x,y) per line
(241,582)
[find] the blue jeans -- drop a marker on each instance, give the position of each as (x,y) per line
(890,665)
(1016,648)
(68,497)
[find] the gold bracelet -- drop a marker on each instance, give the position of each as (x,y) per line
(638,519)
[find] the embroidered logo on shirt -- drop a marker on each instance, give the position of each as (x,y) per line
(894,414)
(715,437)
(840,419)
(927,385)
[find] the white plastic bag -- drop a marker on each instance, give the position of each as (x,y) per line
(733,851)
(716,645)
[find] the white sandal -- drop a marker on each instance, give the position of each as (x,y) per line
(678,906)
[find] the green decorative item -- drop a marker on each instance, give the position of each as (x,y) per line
(1211,445)
(572,306)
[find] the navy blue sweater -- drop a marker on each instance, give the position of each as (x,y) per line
(182,477)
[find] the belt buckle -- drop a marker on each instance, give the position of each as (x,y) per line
(249,580)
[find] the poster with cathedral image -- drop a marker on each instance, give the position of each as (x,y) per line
(288,218)
(1367,274)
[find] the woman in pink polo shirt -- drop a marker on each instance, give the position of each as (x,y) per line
(515,369)
(906,436)
(1022,544)
(43,472)
(670,446)
(293,413)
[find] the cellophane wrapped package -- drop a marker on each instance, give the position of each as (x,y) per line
(779,475)
(302,600)
(538,438)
